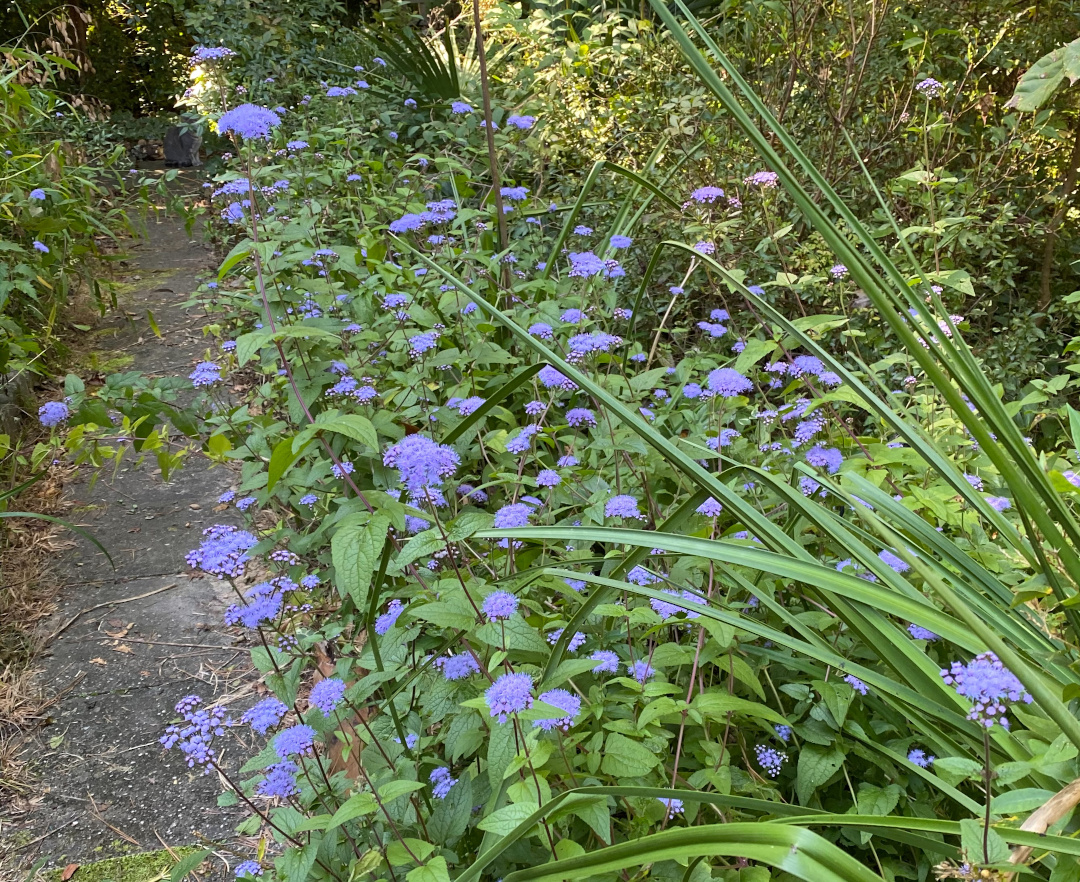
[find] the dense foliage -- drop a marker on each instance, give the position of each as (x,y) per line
(618,507)
(55,207)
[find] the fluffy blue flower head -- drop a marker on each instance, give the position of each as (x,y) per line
(327,694)
(249,121)
(919,757)
(500,605)
(728,382)
(989,685)
(623,506)
(510,694)
(516,514)
(265,715)
(295,741)
(442,782)
(52,413)
(206,373)
(607,661)
(770,759)
(38,194)
(421,463)
(564,701)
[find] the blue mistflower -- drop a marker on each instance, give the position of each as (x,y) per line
(641,576)
(580,416)
(340,91)
(672,806)
(520,122)
(728,382)
(514,194)
(548,478)
(41,246)
(510,694)
(422,343)
(421,463)
(782,732)
(565,701)
(919,757)
(514,515)
(640,670)
(989,685)
(585,264)
(279,781)
(921,633)
(828,458)
(710,508)
(500,605)
(248,868)
(223,551)
(893,561)
(713,329)
(37,193)
(856,684)
(623,506)
(575,584)
(327,694)
(607,661)
(389,618)
(442,781)
(457,667)
(406,222)
(248,121)
(309,499)
(245,503)
(692,391)
(998,503)
(703,195)
(460,107)
(573,644)
(265,715)
(206,373)
(621,241)
(541,330)
(550,378)
(770,759)
(52,413)
(297,740)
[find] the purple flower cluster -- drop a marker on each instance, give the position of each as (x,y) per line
(421,463)
(223,551)
(196,734)
(989,685)
(510,694)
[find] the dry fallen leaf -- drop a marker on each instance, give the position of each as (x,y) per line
(123,632)
(124,648)
(69,871)
(98,661)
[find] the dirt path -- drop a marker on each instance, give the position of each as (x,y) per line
(153,632)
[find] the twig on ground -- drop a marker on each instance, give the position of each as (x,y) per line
(90,609)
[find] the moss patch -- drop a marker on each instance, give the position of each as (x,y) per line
(146,866)
(104,362)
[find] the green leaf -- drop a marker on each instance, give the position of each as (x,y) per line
(816,766)
(508,817)
(355,549)
(717,705)
(625,758)
(435,870)
(396,789)
(878,800)
(187,864)
(1041,80)
(502,748)
(1023,800)
(354,807)
(971,841)
(282,459)
(954,769)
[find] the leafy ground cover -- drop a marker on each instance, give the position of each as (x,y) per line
(583,539)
